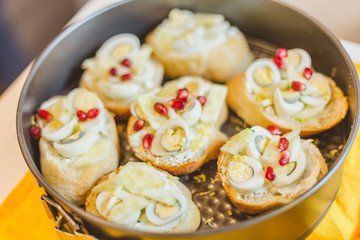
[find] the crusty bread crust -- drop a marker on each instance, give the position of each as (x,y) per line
(206,153)
(119,107)
(316,168)
(75,183)
(189,221)
(245,107)
(220,64)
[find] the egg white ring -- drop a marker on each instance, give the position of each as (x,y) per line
(58,134)
(305,61)
(251,149)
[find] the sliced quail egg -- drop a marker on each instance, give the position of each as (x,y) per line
(84,100)
(239,141)
(291,172)
(170,137)
(283,108)
(179,21)
(290,96)
(117,48)
(56,130)
(298,58)
(76,144)
(62,110)
(214,104)
(196,85)
(246,174)
(262,73)
(258,143)
(128,211)
(309,112)
(96,153)
(160,214)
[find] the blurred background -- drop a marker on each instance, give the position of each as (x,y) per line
(27,26)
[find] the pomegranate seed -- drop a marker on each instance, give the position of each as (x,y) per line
(283,144)
(279,62)
(147,140)
(182,94)
(298,86)
(274,130)
(126,62)
(126,76)
(161,109)
(93,113)
(44,114)
(281,52)
(35,132)
(139,124)
(202,100)
(269,174)
(81,115)
(113,72)
(177,104)
(308,73)
(285,158)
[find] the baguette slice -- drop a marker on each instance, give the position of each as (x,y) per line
(179,144)
(75,174)
(219,62)
(245,106)
(270,194)
(116,93)
(188,221)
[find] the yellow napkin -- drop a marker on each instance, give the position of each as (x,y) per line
(22,215)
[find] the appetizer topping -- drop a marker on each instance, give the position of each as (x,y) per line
(138,125)
(85,100)
(160,108)
(126,62)
(279,62)
(177,104)
(238,142)
(214,104)
(287,87)
(269,174)
(61,110)
(119,60)
(44,115)
(308,73)
(202,100)
(182,94)
(285,158)
(93,113)
(281,52)
(274,130)
(81,115)
(262,73)
(147,140)
(173,139)
(35,132)
(113,71)
(298,86)
(56,131)
(283,144)
(126,76)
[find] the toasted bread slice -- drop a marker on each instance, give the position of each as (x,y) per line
(269,194)
(188,221)
(220,62)
(246,107)
(74,174)
(179,141)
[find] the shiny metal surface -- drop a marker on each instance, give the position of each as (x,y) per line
(268,24)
